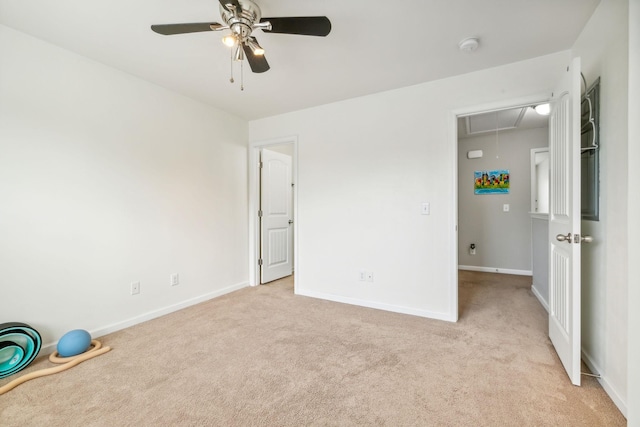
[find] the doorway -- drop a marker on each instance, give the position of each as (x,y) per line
(276,213)
(287,146)
(493,221)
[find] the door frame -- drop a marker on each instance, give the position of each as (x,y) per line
(453,143)
(254,204)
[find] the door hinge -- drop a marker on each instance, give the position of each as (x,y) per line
(260,164)
(260,213)
(260,262)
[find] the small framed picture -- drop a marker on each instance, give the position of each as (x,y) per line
(491,182)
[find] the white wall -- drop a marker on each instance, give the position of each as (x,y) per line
(633,377)
(603,48)
(540,259)
(282,149)
(106,180)
(365,167)
(503,239)
(541,203)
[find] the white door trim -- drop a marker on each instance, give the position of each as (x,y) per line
(254,204)
(453,143)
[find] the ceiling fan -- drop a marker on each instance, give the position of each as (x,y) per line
(242,17)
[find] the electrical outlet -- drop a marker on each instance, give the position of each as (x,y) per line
(135,288)
(505,207)
(472,249)
(175,280)
(363,275)
(369,276)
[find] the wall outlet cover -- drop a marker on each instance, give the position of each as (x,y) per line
(135,288)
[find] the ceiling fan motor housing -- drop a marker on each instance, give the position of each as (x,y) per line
(241,22)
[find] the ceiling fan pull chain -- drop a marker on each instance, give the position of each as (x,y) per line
(497,136)
(231,64)
(241,75)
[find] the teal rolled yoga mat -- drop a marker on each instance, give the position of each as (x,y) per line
(19,346)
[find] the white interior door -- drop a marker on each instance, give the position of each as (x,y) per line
(276,237)
(564,221)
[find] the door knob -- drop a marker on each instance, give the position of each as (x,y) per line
(586,239)
(290,221)
(563,238)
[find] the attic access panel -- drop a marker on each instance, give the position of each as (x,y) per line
(494,121)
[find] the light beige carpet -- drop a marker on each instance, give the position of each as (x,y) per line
(264,357)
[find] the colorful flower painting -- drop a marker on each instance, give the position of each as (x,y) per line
(491,182)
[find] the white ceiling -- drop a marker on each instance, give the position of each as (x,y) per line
(374,45)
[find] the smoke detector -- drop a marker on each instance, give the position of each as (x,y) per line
(469,45)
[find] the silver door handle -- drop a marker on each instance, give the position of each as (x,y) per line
(563,238)
(586,239)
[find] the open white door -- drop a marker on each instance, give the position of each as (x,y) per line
(276,237)
(564,221)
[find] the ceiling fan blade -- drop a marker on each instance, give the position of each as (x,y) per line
(303,25)
(234,3)
(258,63)
(194,27)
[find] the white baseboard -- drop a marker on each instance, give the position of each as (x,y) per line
(96,333)
(380,306)
(496,270)
(606,385)
(539,296)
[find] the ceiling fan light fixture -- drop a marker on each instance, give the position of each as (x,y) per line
(239,54)
(543,109)
(255,47)
(229,40)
